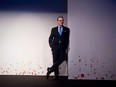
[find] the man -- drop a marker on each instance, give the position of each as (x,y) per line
(58,41)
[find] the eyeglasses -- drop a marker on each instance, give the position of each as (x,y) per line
(60,20)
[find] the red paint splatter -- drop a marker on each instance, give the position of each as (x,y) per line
(112,76)
(82,75)
(35,74)
(75,77)
(7,71)
(91,65)
(102,77)
(96,78)
(79,60)
(32,73)
(23,72)
(34,70)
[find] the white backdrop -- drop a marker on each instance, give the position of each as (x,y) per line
(24,48)
(93,38)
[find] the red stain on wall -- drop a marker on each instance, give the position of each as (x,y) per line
(82,75)
(32,73)
(79,60)
(106,74)
(96,78)
(23,72)
(91,65)
(102,77)
(75,77)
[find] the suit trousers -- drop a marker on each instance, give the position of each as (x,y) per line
(58,58)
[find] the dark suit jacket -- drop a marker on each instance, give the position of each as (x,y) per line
(59,42)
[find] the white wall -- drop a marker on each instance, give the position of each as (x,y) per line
(24,48)
(92,52)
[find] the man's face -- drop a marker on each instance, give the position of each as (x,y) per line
(60,21)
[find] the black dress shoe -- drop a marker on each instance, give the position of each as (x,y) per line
(55,78)
(48,73)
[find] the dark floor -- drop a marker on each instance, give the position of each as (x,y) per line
(40,81)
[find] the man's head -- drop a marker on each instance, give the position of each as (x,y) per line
(60,20)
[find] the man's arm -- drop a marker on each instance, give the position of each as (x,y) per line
(68,36)
(51,37)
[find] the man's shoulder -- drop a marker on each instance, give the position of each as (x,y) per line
(54,27)
(66,28)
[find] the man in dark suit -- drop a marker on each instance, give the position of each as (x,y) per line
(58,41)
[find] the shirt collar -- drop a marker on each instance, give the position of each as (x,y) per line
(60,26)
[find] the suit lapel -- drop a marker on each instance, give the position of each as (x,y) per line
(57,31)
